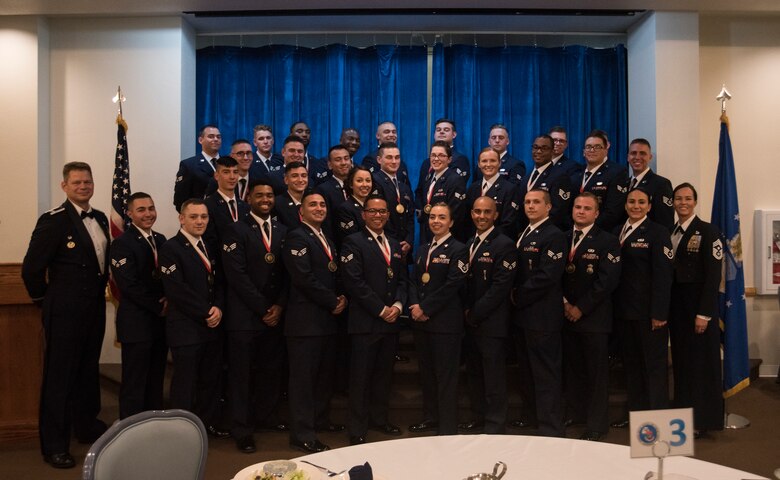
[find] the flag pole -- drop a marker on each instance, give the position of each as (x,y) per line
(730,420)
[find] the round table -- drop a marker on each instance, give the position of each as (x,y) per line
(527,457)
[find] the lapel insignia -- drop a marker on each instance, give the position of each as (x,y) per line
(669,252)
(229,248)
(168,270)
(463,266)
(717,249)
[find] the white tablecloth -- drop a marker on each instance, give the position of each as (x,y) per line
(527,458)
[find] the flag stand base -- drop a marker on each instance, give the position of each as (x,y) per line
(734,421)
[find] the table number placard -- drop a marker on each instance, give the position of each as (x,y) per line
(661,433)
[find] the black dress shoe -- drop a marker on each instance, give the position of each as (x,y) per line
(401,358)
(330,427)
(424,426)
(387,429)
(246,444)
(523,424)
(60,460)
(357,440)
(622,423)
(313,446)
(471,426)
(216,432)
(278,427)
(592,436)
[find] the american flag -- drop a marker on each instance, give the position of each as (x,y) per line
(120,190)
(120,186)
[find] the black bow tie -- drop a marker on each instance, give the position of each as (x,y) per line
(85,214)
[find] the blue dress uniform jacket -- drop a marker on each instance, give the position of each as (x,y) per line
(370,288)
(286,211)
(191,291)
(349,219)
(314,289)
(257,172)
(440,298)
(400,226)
(255,284)
(62,274)
(139,322)
(508,205)
(607,184)
(696,357)
(660,190)
(596,274)
(490,280)
(220,218)
(646,276)
(450,189)
(334,195)
(512,169)
(558,184)
(538,292)
(192,179)
(138,317)
(567,165)
(370,162)
(274,173)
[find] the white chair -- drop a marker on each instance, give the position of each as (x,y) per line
(160,444)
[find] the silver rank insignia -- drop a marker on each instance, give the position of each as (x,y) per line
(667,201)
(463,266)
(229,248)
(717,249)
(669,252)
(563,194)
(179,178)
(298,253)
(460,196)
(346,225)
(168,270)
(346,259)
(622,189)
(613,258)
(554,256)
(118,263)
(515,206)
(509,266)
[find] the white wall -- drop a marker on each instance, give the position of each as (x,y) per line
(744,52)
(23,130)
(153,60)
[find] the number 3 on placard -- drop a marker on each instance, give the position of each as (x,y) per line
(678,432)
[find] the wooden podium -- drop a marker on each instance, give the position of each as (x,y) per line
(21,357)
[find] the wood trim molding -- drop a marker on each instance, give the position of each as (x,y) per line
(12,291)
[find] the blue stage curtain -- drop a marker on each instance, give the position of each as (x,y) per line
(530,89)
(330,88)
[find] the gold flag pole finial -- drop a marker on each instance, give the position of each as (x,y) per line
(722,97)
(119,98)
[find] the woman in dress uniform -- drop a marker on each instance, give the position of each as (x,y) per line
(437,313)
(349,215)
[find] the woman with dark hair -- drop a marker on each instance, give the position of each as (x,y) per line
(693,315)
(349,215)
